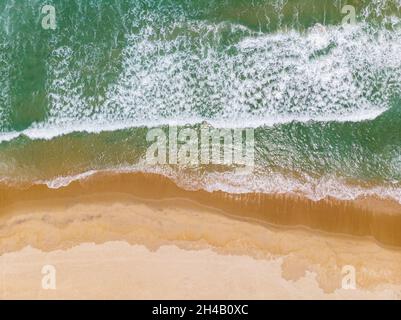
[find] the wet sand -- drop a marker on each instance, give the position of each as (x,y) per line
(368,217)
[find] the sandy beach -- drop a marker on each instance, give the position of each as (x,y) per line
(187,149)
(126,245)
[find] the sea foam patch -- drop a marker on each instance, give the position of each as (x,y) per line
(188,72)
(180,70)
(231,182)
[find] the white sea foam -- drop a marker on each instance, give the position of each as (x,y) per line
(331,74)
(265,78)
(49,132)
(266,183)
(60,182)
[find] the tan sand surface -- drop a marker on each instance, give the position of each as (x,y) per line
(119,246)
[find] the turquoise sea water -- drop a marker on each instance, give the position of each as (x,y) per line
(324,98)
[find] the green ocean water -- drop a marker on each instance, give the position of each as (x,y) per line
(324,98)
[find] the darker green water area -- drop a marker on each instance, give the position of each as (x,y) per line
(152,62)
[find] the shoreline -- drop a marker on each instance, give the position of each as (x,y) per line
(368,217)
